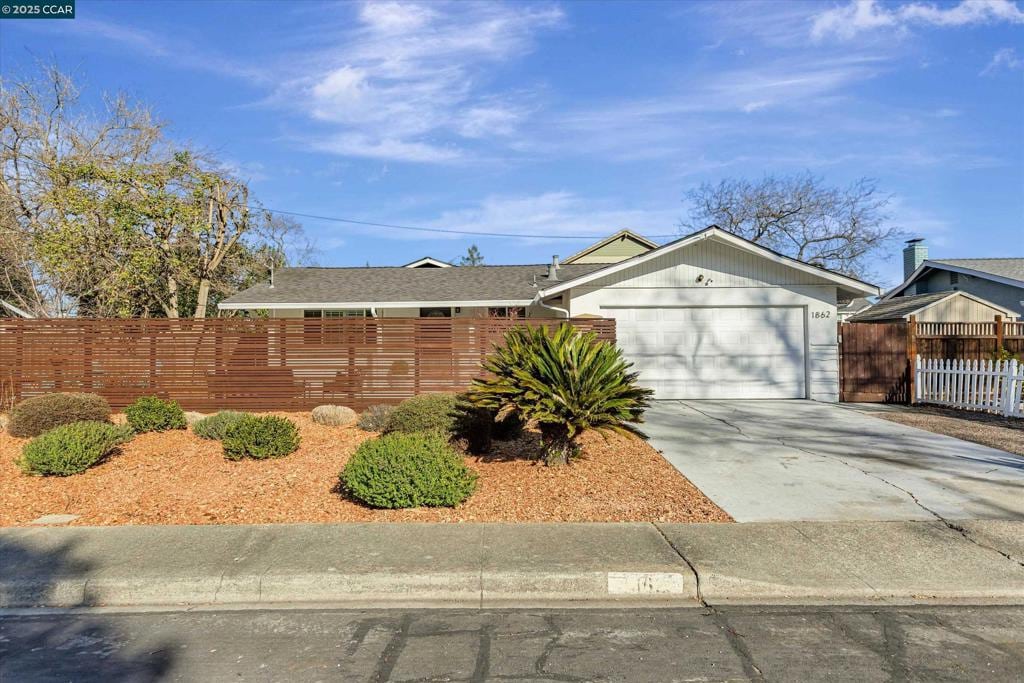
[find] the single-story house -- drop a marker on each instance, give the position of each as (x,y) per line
(938,307)
(709,315)
(999,281)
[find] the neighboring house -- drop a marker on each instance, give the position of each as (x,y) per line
(845,309)
(998,281)
(939,307)
(622,245)
(710,315)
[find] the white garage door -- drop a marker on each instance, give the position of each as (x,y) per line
(698,352)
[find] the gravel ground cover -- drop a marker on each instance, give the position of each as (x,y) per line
(995,431)
(177,478)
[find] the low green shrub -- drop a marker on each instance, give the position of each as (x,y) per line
(260,437)
(425,413)
(214,426)
(72,448)
(152,414)
(375,418)
(34,416)
(408,470)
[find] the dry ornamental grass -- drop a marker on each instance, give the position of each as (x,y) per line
(175,477)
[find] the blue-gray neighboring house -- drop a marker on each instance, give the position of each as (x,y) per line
(998,281)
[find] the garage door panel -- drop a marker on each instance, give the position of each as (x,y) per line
(707,352)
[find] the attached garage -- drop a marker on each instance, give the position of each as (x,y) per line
(706,352)
(714,316)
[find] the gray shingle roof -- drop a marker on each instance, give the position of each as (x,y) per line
(854,305)
(897,307)
(397,284)
(1003,267)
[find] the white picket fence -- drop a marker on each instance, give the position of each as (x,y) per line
(992,386)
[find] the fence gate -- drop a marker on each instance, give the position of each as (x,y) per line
(873,363)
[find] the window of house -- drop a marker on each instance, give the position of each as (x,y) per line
(348,313)
(506,312)
(312,314)
(435,312)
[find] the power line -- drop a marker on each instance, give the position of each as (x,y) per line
(352,221)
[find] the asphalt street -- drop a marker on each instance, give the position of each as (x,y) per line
(734,644)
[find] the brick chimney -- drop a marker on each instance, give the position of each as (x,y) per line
(914,254)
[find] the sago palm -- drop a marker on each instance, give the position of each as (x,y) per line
(567,381)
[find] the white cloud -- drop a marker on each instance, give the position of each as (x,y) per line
(557,213)
(860,16)
(685,121)
(411,74)
(377,147)
(1005,58)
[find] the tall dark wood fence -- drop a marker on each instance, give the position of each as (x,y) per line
(251,364)
(875,359)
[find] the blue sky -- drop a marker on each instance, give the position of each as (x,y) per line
(569,118)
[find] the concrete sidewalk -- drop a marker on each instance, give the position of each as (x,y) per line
(493,565)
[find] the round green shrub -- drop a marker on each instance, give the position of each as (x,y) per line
(152,414)
(34,416)
(375,418)
(425,413)
(406,471)
(214,426)
(260,437)
(72,448)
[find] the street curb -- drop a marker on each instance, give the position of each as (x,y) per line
(455,589)
(513,565)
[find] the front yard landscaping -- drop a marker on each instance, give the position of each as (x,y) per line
(177,477)
(995,431)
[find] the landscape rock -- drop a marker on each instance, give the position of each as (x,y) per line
(4,420)
(334,416)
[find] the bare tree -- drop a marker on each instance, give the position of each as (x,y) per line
(836,228)
(101,215)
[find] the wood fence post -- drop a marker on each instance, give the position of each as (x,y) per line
(999,333)
(911,356)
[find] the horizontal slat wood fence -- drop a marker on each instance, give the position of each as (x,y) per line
(876,360)
(253,364)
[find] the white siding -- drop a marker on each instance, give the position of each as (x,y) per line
(721,264)
(959,309)
(731,277)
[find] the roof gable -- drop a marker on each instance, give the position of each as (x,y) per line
(620,246)
(852,285)
(1008,271)
(427,262)
(905,306)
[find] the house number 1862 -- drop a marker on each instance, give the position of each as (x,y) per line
(821,314)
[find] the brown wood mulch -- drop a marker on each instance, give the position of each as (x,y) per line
(178,478)
(995,431)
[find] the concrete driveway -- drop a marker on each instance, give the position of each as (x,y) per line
(801,460)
